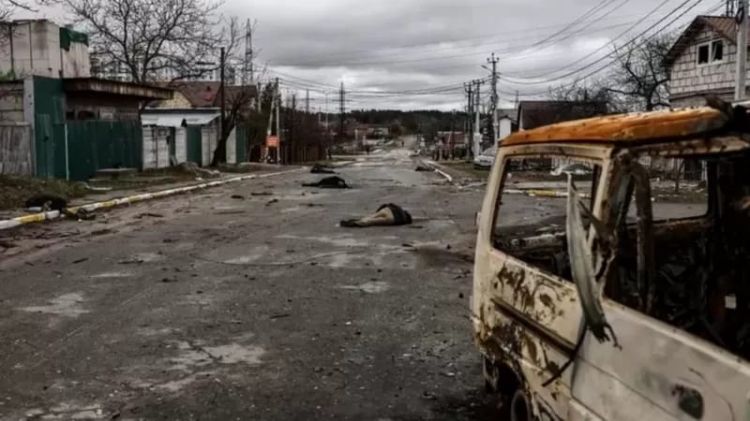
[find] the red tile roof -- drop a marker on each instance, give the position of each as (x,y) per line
(206,94)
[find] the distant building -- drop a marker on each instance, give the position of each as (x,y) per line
(703,61)
(533,114)
(189,124)
(43,48)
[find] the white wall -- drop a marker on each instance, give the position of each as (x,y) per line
(208,137)
(155,147)
(690,81)
(181,144)
(232,147)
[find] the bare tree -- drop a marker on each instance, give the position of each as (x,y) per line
(152,40)
(641,74)
(594,93)
(238,100)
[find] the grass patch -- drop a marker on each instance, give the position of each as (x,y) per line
(15,190)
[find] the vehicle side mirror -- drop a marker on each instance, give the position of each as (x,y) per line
(584,266)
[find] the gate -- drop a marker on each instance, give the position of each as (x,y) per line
(93,145)
(194,146)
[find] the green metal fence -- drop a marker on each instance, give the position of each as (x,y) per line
(93,145)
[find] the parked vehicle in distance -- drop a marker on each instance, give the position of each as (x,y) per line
(484,161)
(613,299)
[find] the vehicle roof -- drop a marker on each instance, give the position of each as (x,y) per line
(626,129)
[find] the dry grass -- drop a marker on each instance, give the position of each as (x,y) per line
(15,190)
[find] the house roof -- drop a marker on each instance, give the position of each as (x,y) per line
(724,26)
(178,118)
(541,113)
(98,86)
(626,128)
(206,94)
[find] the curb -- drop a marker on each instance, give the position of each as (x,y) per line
(53,215)
(436,167)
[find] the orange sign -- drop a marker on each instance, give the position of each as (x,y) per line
(272,141)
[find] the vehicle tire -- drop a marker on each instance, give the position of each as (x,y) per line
(520,407)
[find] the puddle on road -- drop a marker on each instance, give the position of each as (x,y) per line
(112,275)
(369,287)
(67,305)
(236,354)
(68,411)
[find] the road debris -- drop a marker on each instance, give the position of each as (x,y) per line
(238,197)
(321,169)
(386,215)
(334,182)
(149,215)
(422,168)
(272,201)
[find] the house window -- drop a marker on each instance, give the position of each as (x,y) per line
(703,54)
(712,52)
(717,51)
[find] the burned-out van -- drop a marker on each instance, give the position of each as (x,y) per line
(612,274)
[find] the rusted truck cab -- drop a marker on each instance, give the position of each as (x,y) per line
(612,273)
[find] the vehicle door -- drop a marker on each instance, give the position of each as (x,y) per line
(525,303)
(663,361)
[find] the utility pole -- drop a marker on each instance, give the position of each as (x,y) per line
(469,88)
(730,9)
(742,21)
(223,60)
(277,99)
(248,71)
(477,139)
(493,98)
(307,102)
(292,141)
(342,110)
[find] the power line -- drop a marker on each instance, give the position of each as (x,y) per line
(611,42)
(632,41)
(606,65)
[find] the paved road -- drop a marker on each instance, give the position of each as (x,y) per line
(216,308)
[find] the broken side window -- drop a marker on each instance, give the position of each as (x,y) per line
(701,234)
(717,51)
(530,222)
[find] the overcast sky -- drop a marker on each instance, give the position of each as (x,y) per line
(407,45)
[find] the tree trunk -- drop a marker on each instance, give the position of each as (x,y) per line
(220,154)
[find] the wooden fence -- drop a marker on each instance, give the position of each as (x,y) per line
(15,149)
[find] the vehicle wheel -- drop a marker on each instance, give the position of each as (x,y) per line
(520,408)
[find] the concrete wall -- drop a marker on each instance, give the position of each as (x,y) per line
(232,147)
(35,50)
(181,145)
(15,149)
(209,136)
(691,81)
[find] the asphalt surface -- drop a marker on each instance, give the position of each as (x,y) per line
(257,307)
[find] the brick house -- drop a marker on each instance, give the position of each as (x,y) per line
(703,61)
